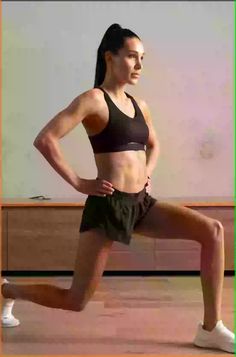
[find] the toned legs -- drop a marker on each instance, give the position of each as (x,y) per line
(168,221)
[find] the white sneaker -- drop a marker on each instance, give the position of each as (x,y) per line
(7,319)
(220,338)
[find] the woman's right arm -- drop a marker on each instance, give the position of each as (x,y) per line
(47,141)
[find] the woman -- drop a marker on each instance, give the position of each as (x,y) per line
(118,202)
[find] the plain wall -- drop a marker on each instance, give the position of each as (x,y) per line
(49,57)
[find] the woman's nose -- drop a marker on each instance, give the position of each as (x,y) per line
(139,66)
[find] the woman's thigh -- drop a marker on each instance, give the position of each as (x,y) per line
(91,257)
(170,221)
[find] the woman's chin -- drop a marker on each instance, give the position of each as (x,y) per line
(134,80)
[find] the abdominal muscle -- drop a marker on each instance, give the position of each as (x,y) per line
(126,170)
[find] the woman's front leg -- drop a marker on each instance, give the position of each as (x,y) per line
(169,221)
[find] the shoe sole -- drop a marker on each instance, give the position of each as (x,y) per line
(203,344)
(4,325)
(16,323)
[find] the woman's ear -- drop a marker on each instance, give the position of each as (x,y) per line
(108,56)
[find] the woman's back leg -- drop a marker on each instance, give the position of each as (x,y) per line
(92,253)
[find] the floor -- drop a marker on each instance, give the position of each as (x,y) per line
(126,316)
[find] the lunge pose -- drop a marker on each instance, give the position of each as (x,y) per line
(125,146)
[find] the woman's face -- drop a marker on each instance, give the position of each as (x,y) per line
(128,61)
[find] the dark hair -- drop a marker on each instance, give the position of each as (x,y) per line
(112,40)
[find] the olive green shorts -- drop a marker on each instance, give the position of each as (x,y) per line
(117,214)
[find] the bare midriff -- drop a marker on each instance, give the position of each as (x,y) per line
(126,170)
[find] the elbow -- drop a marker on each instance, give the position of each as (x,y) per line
(38,142)
(154,146)
(41,142)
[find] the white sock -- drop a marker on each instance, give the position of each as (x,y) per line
(7,304)
(7,307)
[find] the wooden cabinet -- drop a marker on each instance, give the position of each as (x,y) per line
(42,238)
(38,236)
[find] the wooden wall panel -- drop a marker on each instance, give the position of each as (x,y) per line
(4,241)
(46,238)
(42,238)
(131,261)
(177,260)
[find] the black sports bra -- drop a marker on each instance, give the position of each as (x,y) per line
(122,132)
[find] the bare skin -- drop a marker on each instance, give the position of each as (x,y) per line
(127,171)
(169,221)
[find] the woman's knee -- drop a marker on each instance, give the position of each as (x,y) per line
(75,303)
(77,306)
(215,231)
(219,230)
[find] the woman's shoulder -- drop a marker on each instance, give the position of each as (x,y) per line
(91,98)
(97,93)
(141,102)
(144,107)
(94,95)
